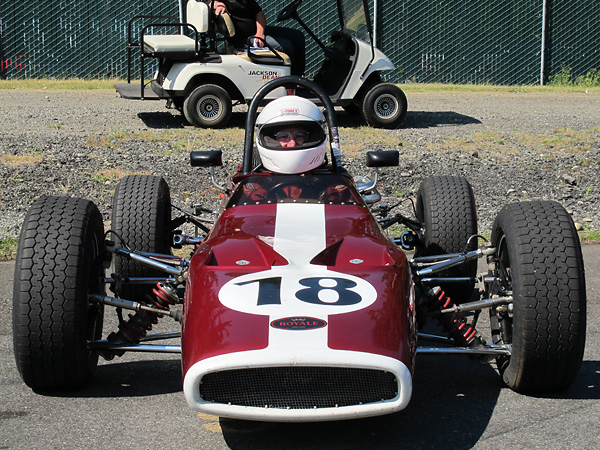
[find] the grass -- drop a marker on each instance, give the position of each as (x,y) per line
(8,249)
(591,79)
(20,160)
(557,84)
(503,146)
(180,140)
(59,84)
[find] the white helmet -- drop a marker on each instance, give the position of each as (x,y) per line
(285,113)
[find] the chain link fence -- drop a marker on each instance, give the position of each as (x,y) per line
(446,41)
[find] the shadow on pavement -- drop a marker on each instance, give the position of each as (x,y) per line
(414,119)
(452,403)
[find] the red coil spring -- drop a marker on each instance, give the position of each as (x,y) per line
(453,323)
(164,296)
(134,329)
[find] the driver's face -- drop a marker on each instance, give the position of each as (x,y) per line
(291,136)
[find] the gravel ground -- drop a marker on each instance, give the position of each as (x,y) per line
(511,146)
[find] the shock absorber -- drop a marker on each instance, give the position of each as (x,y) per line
(457,327)
(135,328)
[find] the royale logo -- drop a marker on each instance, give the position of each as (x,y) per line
(298,323)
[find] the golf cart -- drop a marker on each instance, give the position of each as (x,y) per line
(201,75)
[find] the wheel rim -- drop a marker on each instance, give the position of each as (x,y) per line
(386,106)
(504,273)
(209,108)
(95,311)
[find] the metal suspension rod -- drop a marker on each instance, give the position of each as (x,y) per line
(147,261)
(475,306)
(463,258)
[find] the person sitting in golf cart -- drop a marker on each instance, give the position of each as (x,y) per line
(249,20)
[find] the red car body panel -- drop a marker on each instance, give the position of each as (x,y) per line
(285,284)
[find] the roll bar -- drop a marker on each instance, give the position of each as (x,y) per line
(291,82)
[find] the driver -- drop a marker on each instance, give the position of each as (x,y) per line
(291,135)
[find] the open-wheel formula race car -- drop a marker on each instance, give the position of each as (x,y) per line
(299,308)
(203,77)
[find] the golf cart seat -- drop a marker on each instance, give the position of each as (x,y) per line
(178,45)
(264,55)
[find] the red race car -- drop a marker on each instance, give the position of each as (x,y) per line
(295,304)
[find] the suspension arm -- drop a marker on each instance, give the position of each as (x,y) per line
(455,261)
(149,261)
(128,304)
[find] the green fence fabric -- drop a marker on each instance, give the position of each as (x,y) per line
(447,41)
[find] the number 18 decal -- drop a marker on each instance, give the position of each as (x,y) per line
(281,291)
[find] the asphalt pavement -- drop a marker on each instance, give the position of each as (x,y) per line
(137,402)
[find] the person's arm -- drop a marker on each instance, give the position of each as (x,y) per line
(219,7)
(261,24)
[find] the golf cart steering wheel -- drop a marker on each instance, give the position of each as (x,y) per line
(289,11)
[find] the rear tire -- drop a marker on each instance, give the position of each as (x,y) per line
(59,262)
(385,106)
(446,207)
(208,106)
(539,259)
(141,215)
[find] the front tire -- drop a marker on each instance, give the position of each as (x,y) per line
(446,208)
(208,106)
(141,216)
(59,262)
(539,260)
(385,106)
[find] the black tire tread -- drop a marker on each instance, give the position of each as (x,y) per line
(50,293)
(140,215)
(447,204)
(548,282)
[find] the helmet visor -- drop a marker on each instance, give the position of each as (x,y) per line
(295,135)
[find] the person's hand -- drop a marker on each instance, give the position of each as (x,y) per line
(259,42)
(219,7)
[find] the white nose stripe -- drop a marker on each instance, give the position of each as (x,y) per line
(299,232)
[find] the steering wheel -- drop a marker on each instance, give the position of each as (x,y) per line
(289,11)
(277,190)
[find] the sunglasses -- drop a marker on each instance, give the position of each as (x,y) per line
(298,135)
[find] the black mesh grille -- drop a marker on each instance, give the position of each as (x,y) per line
(298,387)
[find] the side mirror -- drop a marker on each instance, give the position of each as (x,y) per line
(385,158)
(206,158)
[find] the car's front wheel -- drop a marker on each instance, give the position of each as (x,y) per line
(446,208)
(59,262)
(539,262)
(141,216)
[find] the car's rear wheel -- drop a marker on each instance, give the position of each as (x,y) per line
(446,208)
(539,263)
(384,106)
(208,106)
(141,216)
(60,260)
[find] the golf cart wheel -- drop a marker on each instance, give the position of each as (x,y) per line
(446,208)
(208,106)
(385,106)
(539,261)
(60,260)
(141,216)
